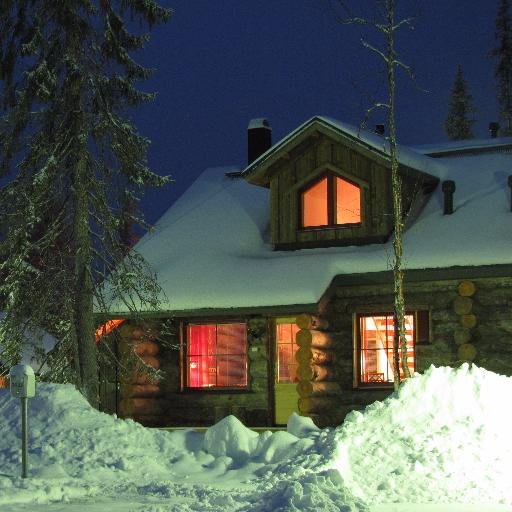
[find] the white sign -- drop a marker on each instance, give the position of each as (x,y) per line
(23,381)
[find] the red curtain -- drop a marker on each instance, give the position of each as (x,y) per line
(217,355)
(201,350)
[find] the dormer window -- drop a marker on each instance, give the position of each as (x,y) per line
(331,201)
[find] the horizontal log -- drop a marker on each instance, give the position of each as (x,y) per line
(313,355)
(461,336)
(317,404)
(145,390)
(144,405)
(146,348)
(306,321)
(467,352)
(142,378)
(466,288)
(151,361)
(149,420)
(137,332)
(463,305)
(316,373)
(306,389)
(323,373)
(468,321)
(312,338)
(126,329)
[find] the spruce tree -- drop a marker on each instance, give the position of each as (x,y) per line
(503,70)
(459,122)
(69,157)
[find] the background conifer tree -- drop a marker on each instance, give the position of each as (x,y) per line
(70,157)
(459,122)
(503,70)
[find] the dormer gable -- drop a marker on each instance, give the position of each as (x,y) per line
(330,186)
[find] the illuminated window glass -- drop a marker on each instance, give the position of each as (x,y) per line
(314,205)
(348,202)
(332,201)
(286,331)
(376,347)
(216,355)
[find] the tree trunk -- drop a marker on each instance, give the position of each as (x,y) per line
(396,187)
(84,320)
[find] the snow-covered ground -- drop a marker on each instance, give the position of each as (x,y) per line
(443,443)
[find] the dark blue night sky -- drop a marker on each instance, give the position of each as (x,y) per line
(220,63)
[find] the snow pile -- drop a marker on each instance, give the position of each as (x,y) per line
(78,453)
(443,438)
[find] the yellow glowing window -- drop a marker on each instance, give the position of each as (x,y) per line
(286,330)
(332,201)
(376,347)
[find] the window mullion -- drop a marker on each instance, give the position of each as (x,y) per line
(331,199)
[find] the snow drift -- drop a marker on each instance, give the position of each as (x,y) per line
(443,438)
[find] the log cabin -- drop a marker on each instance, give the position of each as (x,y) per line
(278,285)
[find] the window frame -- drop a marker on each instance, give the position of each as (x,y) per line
(185,387)
(284,320)
(331,202)
(418,339)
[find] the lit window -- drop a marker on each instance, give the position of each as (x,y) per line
(216,355)
(314,205)
(348,202)
(332,201)
(376,347)
(286,331)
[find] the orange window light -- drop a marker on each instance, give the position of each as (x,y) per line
(287,348)
(314,205)
(107,327)
(216,355)
(348,202)
(376,353)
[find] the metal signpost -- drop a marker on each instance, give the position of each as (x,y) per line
(23,386)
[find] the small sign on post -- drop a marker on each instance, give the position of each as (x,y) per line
(23,386)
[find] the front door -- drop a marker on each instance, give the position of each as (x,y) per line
(285,393)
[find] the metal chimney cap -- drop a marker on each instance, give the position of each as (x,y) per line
(448,186)
(259,122)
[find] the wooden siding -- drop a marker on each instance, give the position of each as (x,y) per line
(323,156)
(312,159)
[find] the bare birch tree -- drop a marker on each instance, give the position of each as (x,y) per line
(383,22)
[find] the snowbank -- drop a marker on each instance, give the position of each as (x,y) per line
(444,438)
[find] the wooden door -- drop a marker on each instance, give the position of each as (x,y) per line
(285,370)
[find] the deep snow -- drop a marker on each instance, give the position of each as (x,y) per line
(442,443)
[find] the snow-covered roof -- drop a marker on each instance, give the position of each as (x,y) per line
(211,249)
(466,146)
(327,125)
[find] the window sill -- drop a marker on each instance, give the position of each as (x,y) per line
(217,390)
(374,386)
(330,227)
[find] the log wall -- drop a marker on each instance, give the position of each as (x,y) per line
(167,403)
(469,321)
